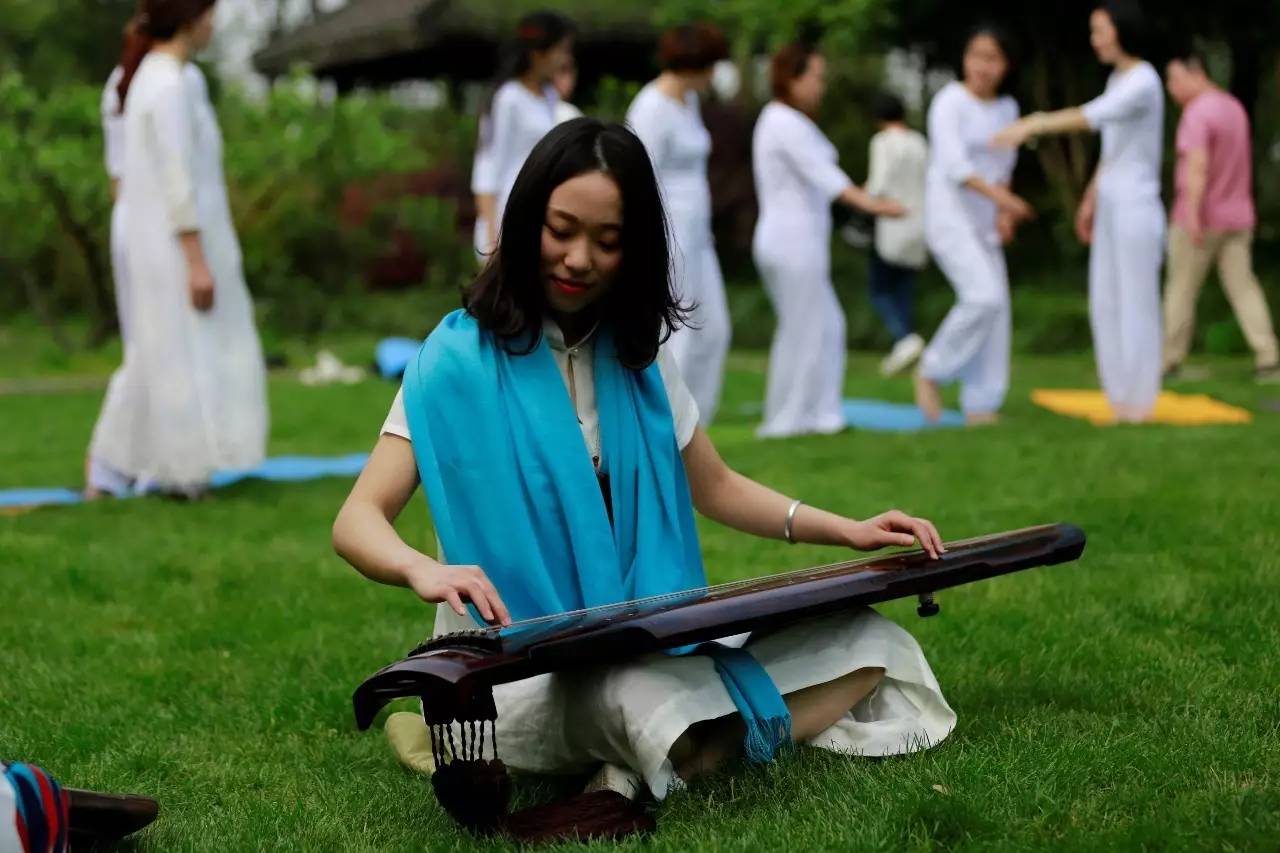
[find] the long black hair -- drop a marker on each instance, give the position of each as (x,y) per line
(641,309)
(1131,25)
(536,31)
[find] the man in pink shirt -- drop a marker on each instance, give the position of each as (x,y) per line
(1213,218)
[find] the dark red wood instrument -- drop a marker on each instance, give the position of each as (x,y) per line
(454,674)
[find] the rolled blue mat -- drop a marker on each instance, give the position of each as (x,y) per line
(882,416)
(392,356)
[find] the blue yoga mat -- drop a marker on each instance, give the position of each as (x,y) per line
(279,469)
(392,356)
(881,416)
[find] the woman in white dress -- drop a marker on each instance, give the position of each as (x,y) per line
(575,435)
(1121,215)
(192,393)
(99,478)
(667,117)
(798,177)
(969,214)
(520,111)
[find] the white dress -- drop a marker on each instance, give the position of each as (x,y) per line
(798,177)
(631,714)
(1128,236)
(679,145)
(193,397)
(972,346)
(101,476)
(516,121)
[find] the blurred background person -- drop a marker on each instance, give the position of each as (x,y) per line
(1121,216)
(899,159)
(565,81)
(192,397)
(1213,218)
(970,212)
(519,112)
(798,177)
(667,116)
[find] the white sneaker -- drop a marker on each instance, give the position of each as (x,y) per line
(611,777)
(903,355)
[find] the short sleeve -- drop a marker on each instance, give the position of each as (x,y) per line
(878,165)
(646,122)
(1193,130)
(684,409)
(397,422)
(1126,96)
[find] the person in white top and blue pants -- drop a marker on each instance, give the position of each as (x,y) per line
(899,159)
(1122,215)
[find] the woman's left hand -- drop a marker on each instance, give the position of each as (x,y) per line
(896,528)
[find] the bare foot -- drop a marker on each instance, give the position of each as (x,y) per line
(928,398)
(93,494)
(981,419)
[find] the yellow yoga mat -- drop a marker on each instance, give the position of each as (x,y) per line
(1171,408)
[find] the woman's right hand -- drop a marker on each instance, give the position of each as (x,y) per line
(887,208)
(1084,219)
(200,283)
(453,585)
(1015,206)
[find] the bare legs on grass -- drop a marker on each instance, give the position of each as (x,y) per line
(704,746)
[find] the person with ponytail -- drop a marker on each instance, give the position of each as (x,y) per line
(1121,216)
(667,116)
(520,111)
(798,177)
(190,397)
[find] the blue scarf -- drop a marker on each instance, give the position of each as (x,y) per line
(512,489)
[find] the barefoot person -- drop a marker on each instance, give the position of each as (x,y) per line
(1121,215)
(191,396)
(567,475)
(970,213)
(798,177)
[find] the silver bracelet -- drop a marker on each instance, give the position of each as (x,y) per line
(787,532)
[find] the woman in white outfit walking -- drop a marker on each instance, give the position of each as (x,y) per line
(970,213)
(798,177)
(1121,215)
(521,110)
(667,117)
(192,392)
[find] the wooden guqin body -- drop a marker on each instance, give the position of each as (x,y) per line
(454,674)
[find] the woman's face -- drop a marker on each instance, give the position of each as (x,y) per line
(984,65)
(546,64)
(1103,37)
(807,89)
(581,242)
(201,30)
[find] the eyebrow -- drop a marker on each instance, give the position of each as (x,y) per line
(617,226)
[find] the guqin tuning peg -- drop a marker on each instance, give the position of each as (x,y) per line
(927,606)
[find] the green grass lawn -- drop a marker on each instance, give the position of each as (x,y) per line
(206,654)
